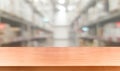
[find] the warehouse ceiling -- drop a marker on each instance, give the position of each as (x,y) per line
(72,7)
(49,7)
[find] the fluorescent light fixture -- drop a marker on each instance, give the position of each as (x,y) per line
(61,1)
(36,1)
(61,8)
(85,29)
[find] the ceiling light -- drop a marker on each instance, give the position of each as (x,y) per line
(36,1)
(61,1)
(85,29)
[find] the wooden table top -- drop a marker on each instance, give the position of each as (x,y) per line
(59,68)
(60,56)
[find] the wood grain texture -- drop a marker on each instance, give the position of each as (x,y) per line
(59,68)
(60,56)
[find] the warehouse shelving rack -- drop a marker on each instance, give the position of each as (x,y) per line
(24,25)
(97,24)
(101,22)
(75,22)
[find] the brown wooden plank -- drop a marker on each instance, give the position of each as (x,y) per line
(59,68)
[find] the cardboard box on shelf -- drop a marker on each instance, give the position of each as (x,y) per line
(26,11)
(26,34)
(83,20)
(15,29)
(6,33)
(100,31)
(91,14)
(101,9)
(114,5)
(6,5)
(107,31)
(16,7)
(39,21)
(111,29)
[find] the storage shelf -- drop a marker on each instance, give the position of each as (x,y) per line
(12,17)
(21,39)
(93,38)
(90,37)
(104,20)
(34,8)
(17,19)
(100,38)
(92,3)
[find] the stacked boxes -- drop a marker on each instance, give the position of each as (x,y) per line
(91,14)
(101,9)
(108,29)
(6,33)
(111,32)
(6,5)
(114,5)
(17,8)
(38,20)
(26,11)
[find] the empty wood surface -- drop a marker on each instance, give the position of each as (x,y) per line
(60,56)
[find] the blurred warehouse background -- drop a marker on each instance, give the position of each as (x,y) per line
(59,23)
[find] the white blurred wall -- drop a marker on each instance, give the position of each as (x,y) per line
(61,30)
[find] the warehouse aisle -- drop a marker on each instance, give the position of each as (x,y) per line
(61,29)
(59,23)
